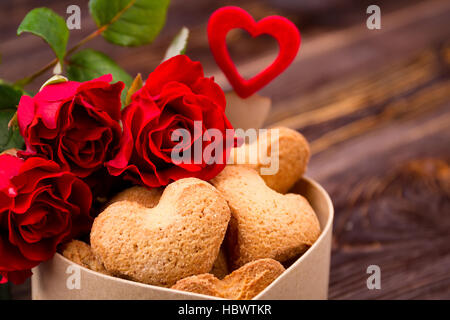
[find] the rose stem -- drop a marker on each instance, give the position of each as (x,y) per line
(23,82)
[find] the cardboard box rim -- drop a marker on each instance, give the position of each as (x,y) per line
(324,236)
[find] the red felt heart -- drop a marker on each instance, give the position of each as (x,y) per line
(283,30)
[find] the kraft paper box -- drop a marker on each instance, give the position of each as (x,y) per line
(306,278)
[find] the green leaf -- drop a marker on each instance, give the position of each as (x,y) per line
(129,22)
(46,24)
(9,96)
(178,45)
(15,139)
(9,99)
(89,64)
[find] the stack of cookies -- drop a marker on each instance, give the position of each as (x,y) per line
(228,237)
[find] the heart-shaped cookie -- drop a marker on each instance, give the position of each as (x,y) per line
(145,197)
(179,237)
(283,30)
(242,284)
(279,155)
(264,223)
(81,253)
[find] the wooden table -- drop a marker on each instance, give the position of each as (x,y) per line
(374,104)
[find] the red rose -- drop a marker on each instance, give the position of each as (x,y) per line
(176,96)
(40,206)
(74,124)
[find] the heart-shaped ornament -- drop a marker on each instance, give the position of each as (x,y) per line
(284,31)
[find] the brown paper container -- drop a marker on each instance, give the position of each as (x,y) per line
(306,278)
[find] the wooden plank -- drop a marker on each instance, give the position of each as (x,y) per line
(387,140)
(342,55)
(407,89)
(355,94)
(414,105)
(391,191)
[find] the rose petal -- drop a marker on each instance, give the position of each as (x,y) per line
(178,69)
(208,88)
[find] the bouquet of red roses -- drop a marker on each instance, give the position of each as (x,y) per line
(73,141)
(79,140)
(68,147)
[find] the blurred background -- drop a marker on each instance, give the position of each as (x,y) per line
(374,104)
